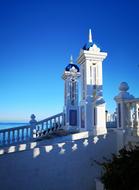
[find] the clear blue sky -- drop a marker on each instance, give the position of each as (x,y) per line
(37,38)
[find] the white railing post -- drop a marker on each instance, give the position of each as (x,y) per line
(33,123)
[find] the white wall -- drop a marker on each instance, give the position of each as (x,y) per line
(56,167)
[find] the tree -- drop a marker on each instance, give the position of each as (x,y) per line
(122,171)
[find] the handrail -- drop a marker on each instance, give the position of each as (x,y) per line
(42,128)
(29,125)
(49,118)
(15,128)
(29,132)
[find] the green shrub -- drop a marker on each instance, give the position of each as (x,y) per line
(122,171)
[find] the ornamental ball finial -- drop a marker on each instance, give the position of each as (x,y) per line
(32,116)
(123,87)
(33,120)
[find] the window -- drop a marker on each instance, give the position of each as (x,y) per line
(73,117)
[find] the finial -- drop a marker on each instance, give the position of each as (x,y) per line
(33,120)
(90,36)
(71,59)
(123,87)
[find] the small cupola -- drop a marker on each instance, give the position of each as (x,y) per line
(71,65)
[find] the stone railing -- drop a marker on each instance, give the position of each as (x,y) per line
(48,126)
(32,131)
(15,135)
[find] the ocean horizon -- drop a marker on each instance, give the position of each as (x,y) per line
(8,124)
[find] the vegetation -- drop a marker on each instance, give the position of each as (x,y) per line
(122,171)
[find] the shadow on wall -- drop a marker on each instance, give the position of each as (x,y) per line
(59,143)
(55,164)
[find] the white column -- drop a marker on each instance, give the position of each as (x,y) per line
(33,123)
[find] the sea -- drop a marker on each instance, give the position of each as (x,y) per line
(7,125)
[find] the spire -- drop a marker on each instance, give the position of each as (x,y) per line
(71,59)
(90,36)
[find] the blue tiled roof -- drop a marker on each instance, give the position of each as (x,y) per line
(70,66)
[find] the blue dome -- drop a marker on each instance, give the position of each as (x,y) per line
(70,66)
(87,46)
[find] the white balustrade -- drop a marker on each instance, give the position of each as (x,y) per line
(49,125)
(15,135)
(25,133)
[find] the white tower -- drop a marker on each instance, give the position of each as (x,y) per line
(92,105)
(71,91)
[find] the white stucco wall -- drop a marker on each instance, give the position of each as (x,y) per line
(53,165)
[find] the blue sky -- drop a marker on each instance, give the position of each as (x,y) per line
(37,38)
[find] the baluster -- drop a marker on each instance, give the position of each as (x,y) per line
(59,121)
(46,125)
(27,133)
(6,134)
(31,132)
(42,126)
(22,134)
(18,135)
(3,140)
(55,122)
(13,135)
(8,138)
(38,129)
(0,138)
(51,125)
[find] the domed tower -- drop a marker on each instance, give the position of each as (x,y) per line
(92,105)
(71,96)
